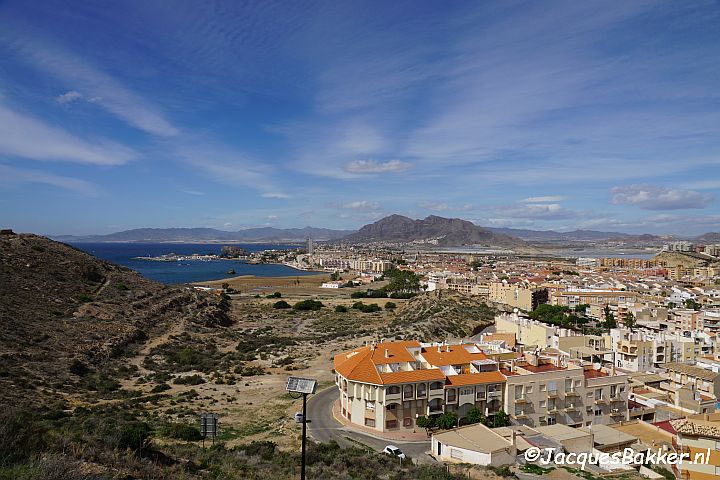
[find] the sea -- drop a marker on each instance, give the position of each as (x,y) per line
(187,271)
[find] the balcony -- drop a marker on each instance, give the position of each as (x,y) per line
(493,395)
(601,401)
(520,416)
(571,408)
(552,393)
(552,409)
(571,393)
(616,398)
(521,399)
(617,414)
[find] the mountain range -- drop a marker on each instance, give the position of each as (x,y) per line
(394,228)
(432,230)
(190,235)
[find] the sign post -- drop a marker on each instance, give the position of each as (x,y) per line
(305,386)
(208,426)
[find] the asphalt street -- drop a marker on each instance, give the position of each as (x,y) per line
(323,427)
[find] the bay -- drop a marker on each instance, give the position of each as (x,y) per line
(187,271)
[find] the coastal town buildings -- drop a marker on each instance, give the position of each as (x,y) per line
(386,386)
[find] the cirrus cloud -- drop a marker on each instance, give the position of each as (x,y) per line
(373,166)
(656,197)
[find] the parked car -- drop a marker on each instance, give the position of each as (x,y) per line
(394,451)
(298,417)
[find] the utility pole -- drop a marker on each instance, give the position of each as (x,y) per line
(304,436)
(304,386)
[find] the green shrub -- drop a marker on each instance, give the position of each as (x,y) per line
(194,379)
(281,304)
(181,431)
(160,388)
(78,368)
(308,305)
(341,308)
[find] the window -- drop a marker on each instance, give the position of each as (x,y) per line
(451,395)
(598,412)
(589,394)
(406,405)
(598,394)
(577,383)
(568,385)
(543,420)
(466,391)
(543,387)
(456,453)
(551,420)
(393,390)
(407,422)
(408,391)
(392,406)
(421,390)
(542,403)
(391,424)
(528,390)
(436,386)
(370,422)
(370,405)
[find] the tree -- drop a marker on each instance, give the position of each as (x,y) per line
(335,276)
(341,308)
(501,419)
(428,423)
(630,321)
(475,415)
(609,318)
(447,420)
(281,304)
(403,281)
(390,306)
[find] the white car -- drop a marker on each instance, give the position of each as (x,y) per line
(298,417)
(394,451)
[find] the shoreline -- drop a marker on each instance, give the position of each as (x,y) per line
(248,277)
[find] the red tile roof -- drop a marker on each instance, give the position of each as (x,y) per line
(475,378)
(456,356)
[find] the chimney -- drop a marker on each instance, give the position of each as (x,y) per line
(387,353)
(513,438)
(439,347)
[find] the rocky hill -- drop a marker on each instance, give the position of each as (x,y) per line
(443,314)
(432,230)
(63,312)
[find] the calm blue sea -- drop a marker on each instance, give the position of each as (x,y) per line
(186,272)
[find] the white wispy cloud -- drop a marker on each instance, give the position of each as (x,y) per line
(24,136)
(68,97)
(88,81)
(275,195)
(373,166)
(545,211)
(362,205)
(18,176)
(546,199)
(656,197)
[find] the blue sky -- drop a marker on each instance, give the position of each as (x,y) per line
(562,115)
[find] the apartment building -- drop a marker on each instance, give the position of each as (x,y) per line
(701,385)
(517,295)
(527,331)
(386,386)
(594,298)
(698,436)
(548,389)
(709,321)
(640,351)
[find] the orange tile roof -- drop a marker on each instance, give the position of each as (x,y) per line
(546,367)
(457,355)
(475,378)
(357,365)
(412,376)
(397,352)
(595,373)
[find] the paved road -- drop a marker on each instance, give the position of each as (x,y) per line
(323,427)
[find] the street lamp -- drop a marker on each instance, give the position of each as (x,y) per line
(305,386)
